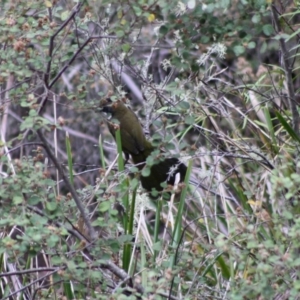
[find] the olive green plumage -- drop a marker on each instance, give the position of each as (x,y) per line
(132,135)
(135,144)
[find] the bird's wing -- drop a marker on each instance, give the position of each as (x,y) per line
(129,143)
(139,138)
(137,131)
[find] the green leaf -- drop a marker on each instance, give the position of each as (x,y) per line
(184,105)
(34,200)
(51,206)
(120,33)
(268,29)
(126,48)
(251,45)
(70,158)
(104,206)
(134,183)
(205,39)
(287,127)
(256,19)
(263,47)
(33,113)
(146,172)
(17,199)
(133,169)
(119,148)
(190,120)
(292,35)
(64,15)
(238,50)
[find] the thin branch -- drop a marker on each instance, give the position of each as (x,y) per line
(74,232)
(51,44)
(28,271)
(67,65)
(68,185)
(117,271)
(30,284)
(14,86)
(25,144)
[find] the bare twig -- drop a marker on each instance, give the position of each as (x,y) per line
(68,185)
(51,44)
(28,271)
(25,144)
(117,271)
(30,284)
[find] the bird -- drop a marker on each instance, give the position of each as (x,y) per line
(131,131)
(135,145)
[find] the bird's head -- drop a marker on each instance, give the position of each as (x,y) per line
(114,108)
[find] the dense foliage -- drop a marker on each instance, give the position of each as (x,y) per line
(214,83)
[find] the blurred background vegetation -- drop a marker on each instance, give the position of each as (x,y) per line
(213,82)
